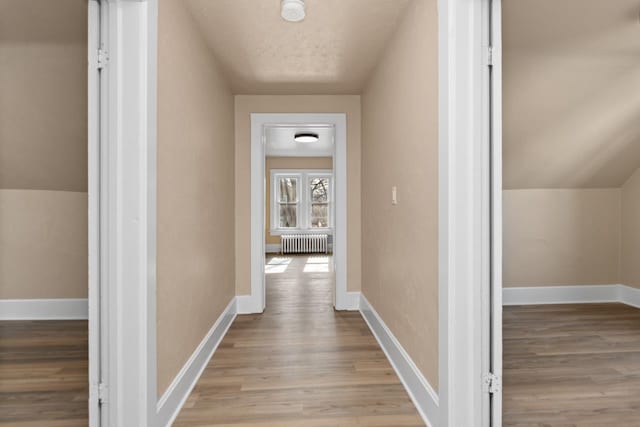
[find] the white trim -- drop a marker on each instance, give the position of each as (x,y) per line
(248,304)
(274,248)
(629,295)
(44,309)
(127,210)
(352,301)
(495,341)
(256,301)
(462,221)
(303,203)
(173,399)
(579,294)
(424,397)
(94,131)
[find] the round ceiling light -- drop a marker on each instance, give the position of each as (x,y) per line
(306,137)
(292,10)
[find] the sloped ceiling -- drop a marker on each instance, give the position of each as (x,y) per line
(571,92)
(331,52)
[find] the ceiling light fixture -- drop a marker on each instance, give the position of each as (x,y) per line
(292,10)
(306,137)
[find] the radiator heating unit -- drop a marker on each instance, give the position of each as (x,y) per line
(304,243)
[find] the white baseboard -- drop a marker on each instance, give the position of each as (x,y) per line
(176,395)
(352,301)
(424,397)
(629,295)
(248,304)
(44,309)
(571,295)
(274,248)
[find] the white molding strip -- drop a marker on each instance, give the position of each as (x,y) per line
(248,304)
(571,295)
(44,309)
(629,295)
(424,397)
(176,395)
(352,301)
(274,248)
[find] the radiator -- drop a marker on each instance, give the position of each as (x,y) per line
(304,243)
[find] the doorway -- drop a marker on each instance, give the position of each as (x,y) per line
(49,212)
(268,133)
(566,210)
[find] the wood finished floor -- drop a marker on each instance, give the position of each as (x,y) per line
(43,373)
(299,363)
(572,365)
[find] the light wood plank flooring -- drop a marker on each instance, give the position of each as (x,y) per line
(572,365)
(300,363)
(44,374)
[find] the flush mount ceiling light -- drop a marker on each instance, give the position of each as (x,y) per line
(306,137)
(292,10)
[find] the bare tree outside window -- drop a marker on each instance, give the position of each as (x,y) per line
(319,202)
(288,202)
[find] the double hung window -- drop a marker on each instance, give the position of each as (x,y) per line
(301,200)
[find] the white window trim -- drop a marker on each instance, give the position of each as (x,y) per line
(304,176)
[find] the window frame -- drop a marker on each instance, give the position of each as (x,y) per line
(304,177)
(329,203)
(277,203)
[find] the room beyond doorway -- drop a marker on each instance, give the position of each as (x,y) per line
(335,125)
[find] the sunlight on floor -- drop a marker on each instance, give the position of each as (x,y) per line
(317,264)
(277,265)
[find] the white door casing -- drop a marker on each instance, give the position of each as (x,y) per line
(344,300)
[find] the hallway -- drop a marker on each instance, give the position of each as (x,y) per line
(299,363)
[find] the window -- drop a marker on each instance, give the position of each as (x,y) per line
(319,193)
(301,200)
(288,202)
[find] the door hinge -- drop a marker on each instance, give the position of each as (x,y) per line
(103,392)
(492,383)
(490,56)
(102,59)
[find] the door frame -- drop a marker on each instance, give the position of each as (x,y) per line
(255,302)
(94,292)
(127,210)
(496,227)
(464,216)
(128,189)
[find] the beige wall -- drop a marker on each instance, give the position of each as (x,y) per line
(43,244)
(287,163)
(43,115)
(195,191)
(630,245)
(247,104)
(400,148)
(561,237)
(43,149)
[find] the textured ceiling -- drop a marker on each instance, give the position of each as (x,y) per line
(50,21)
(571,92)
(280,142)
(332,51)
